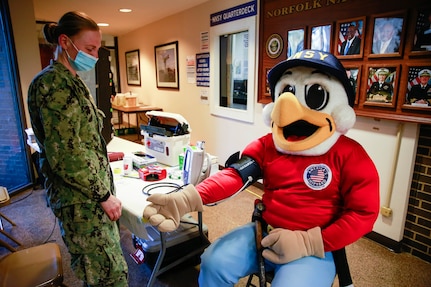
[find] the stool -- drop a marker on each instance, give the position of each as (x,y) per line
(35,266)
(4,200)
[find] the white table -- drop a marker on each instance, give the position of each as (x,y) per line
(129,191)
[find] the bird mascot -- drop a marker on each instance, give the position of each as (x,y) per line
(320,188)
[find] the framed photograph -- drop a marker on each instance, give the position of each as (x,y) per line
(349,38)
(354,75)
(295,41)
(320,37)
(166,56)
(382,85)
(133,68)
(388,35)
(418,89)
(274,46)
(422,32)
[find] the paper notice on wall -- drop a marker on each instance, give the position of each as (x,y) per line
(203,70)
(204,97)
(191,69)
(205,42)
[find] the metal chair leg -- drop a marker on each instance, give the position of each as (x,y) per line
(10,237)
(7,234)
(7,245)
(258,226)
(8,219)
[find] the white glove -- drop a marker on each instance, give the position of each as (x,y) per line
(165,210)
(287,245)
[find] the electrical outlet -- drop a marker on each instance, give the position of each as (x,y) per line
(386,211)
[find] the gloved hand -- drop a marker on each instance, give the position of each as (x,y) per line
(287,245)
(166,210)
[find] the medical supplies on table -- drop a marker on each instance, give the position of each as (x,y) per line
(166,136)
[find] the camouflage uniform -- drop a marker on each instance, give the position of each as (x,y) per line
(73,158)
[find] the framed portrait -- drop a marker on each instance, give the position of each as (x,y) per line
(133,68)
(320,37)
(274,46)
(381,86)
(166,57)
(295,41)
(388,35)
(354,75)
(422,33)
(418,88)
(349,38)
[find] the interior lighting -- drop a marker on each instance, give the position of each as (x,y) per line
(125,10)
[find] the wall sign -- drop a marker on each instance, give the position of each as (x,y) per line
(274,46)
(234,13)
(203,70)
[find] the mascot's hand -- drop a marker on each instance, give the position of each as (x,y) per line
(286,245)
(166,210)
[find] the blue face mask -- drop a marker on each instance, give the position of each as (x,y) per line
(83,61)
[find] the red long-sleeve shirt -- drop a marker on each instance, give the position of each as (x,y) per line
(338,191)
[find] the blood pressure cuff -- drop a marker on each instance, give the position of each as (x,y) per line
(247,167)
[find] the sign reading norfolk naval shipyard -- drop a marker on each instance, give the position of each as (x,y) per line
(234,13)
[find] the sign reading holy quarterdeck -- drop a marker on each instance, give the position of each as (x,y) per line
(234,13)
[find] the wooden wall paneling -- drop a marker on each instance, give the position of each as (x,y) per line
(278,16)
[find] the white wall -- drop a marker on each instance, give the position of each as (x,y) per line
(379,138)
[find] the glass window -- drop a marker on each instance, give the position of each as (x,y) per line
(234,70)
(15,170)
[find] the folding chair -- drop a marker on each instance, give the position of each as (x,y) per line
(38,266)
(340,258)
(5,200)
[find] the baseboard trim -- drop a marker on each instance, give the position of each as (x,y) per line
(395,246)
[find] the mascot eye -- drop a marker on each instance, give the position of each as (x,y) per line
(288,89)
(316,97)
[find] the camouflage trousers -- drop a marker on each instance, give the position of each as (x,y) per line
(93,242)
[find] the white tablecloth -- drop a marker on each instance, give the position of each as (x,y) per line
(129,189)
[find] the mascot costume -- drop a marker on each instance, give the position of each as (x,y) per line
(321,189)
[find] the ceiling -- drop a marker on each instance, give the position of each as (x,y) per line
(106,11)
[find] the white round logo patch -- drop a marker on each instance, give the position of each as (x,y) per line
(317,176)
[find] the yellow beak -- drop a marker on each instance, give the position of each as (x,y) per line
(298,128)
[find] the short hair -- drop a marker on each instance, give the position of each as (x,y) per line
(69,24)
